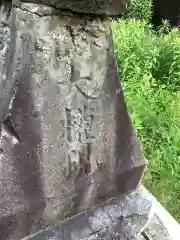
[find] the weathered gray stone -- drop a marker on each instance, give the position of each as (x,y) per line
(103,7)
(162,226)
(156,230)
(67,141)
(6,88)
(119,218)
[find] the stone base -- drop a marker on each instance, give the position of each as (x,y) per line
(162,226)
(122,218)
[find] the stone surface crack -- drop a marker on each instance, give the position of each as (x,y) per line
(10,128)
(26,10)
(84,94)
(71,32)
(145,236)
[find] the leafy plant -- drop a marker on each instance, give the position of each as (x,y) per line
(139,9)
(149,64)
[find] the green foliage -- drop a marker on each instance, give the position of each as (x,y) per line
(167,71)
(149,64)
(139,9)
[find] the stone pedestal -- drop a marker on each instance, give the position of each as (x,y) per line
(123,218)
(137,216)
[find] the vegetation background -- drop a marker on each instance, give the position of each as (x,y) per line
(149,64)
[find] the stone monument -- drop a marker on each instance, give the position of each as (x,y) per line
(69,151)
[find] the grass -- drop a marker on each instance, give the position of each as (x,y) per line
(139,9)
(149,64)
